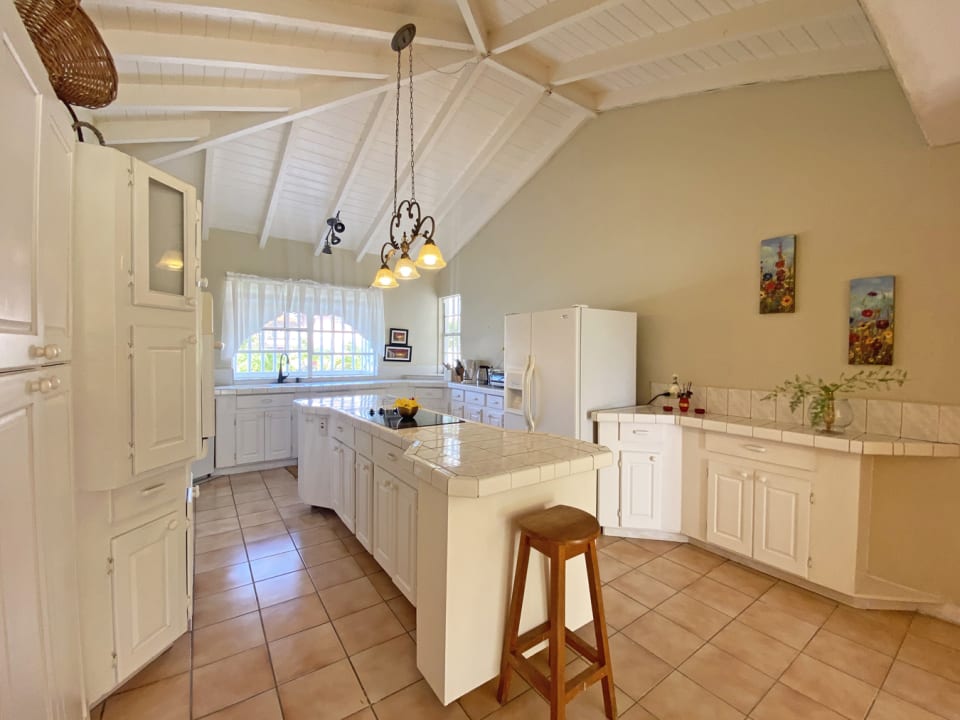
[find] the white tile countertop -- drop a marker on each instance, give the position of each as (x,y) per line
(489,390)
(856,442)
(291,386)
(469,459)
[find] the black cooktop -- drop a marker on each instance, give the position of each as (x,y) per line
(393,420)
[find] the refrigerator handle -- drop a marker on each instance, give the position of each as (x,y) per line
(528,394)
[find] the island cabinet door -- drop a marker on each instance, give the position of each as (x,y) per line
(250,437)
(641,490)
(364,485)
(277,441)
(781,533)
(348,488)
(730,507)
(385,520)
(406,573)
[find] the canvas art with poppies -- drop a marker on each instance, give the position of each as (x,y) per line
(778,281)
(871,321)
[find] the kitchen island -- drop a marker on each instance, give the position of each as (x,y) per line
(437,508)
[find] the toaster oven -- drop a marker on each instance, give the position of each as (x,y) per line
(495,378)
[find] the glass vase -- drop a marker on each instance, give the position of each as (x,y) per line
(830,414)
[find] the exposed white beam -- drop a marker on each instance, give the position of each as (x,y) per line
(180,49)
(789,67)
(208,191)
(535,74)
(543,20)
(440,122)
(202,98)
(289,142)
(763,17)
(475,23)
(378,115)
(328,15)
(132,132)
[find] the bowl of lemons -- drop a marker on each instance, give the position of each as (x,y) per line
(407,407)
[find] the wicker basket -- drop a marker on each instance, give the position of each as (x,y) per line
(80,66)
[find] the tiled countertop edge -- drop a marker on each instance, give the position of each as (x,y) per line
(322,386)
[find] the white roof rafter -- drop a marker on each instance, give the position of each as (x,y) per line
(202,98)
(544,20)
(475,23)
(131,132)
(289,142)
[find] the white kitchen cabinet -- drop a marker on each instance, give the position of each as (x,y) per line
(149,575)
(315,473)
(385,520)
(344,478)
(730,507)
(457,409)
(405,575)
(781,521)
(277,439)
(641,490)
(492,417)
(250,436)
(365,494)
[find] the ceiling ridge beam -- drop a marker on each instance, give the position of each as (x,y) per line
(451,104)
(204,98)
(289,142)
(534,75)
(367,139)
(476,25)
(766,17)
(327,15)
(544,20)
(833,61)
(130,132)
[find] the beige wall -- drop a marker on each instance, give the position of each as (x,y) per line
(412,306)
(660,209)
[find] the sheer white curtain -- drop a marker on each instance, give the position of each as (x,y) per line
(250,302)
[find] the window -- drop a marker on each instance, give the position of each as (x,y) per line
(450,329)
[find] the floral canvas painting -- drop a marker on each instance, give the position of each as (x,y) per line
(871,321)
(778,281)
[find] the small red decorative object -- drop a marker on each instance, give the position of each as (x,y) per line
(684,404)
(699,411)
(668,408)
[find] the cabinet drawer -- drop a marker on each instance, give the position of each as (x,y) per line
(391,458)
(427,393)
(456,395)
(249,402)
(363,443)
(474,415)
(146,495)
(456,409)
(473,397)
(644,433)
(762,451)
(493,418)
(495,402)
(341,430)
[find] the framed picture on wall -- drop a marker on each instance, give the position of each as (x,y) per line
(397,353)
(398,336)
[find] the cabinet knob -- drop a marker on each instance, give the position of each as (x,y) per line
(763,479)
(203,283)
(55,382)
(173,525)
(41,386)
(192,340)
(47,352)
(218,346)
(653,458)
(192,302)
(392,456)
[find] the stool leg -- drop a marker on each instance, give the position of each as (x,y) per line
(600,628)
(558,635)
(512,625)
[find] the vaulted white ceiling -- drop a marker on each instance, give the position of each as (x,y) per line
(293,101)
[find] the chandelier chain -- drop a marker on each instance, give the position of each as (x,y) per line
(413,175)
(396,142)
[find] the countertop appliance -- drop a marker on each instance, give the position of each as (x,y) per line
(496,378)
(561,364)
(393,420)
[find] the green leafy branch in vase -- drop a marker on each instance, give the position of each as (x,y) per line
(823,394)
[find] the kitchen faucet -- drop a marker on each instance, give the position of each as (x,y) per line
(280,375)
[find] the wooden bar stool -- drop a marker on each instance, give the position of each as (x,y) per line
(560,533)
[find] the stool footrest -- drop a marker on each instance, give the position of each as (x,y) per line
(533,636)
(584,679)
(526,669)
(578,644)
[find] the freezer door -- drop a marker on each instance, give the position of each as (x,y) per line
(516,341)
(554,385)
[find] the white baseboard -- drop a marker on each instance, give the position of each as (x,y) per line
(947,613)
(252,467)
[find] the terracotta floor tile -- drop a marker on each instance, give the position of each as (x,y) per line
(850,657)
(216,527)
(225,578)
(610,567)
(889,707)
(228,681)
(809,607)
(323,553)
(628,553)
(782,703)
(367,628)
(929,691)
(260,518)
(174,661)
(214,501)
(233,555)
(529,706)
(635,669)
(353,545)
(270,546)
(313,536)
(693,615)
(637,712)
(274,565)
(217,513)
(167,699)
(719,596)
(700,561)
(284,587)
(679,698)
(669,573)
(265,706)
(756,649)
(743,579)
(304,652)
(729,679)
(223,606)
(663,637)
(605,540)
(365,714)
(349,597)
(367,563)
(226,638)
(830,687)
(588,705)
(657,547)
(218,542)
(293,616)
(255,506)
(330,693)
(306,522)
(619,609)
(644,589)
(249,495)
(405,612)
(245,478)
(417,701)
(482,701)
(336,572)
(262,532)
(779,625)
(386,668)
(289,506)
(879,631)
(381,581)
(932,656)
(937,630)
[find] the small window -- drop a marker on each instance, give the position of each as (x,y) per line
(450,350)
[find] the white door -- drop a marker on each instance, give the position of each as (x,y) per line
(149,590)
(641,490)
(278,440)
(405,576)
(166,408)
(364,501)
(250,437)
(348,488)
(314,473)
(781,533)
(554,382)
(385,520)
(730,507)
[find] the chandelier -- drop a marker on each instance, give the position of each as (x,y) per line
(407,225)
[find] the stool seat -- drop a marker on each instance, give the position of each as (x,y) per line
(562,525)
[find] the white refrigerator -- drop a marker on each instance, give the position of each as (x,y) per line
(560,365)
